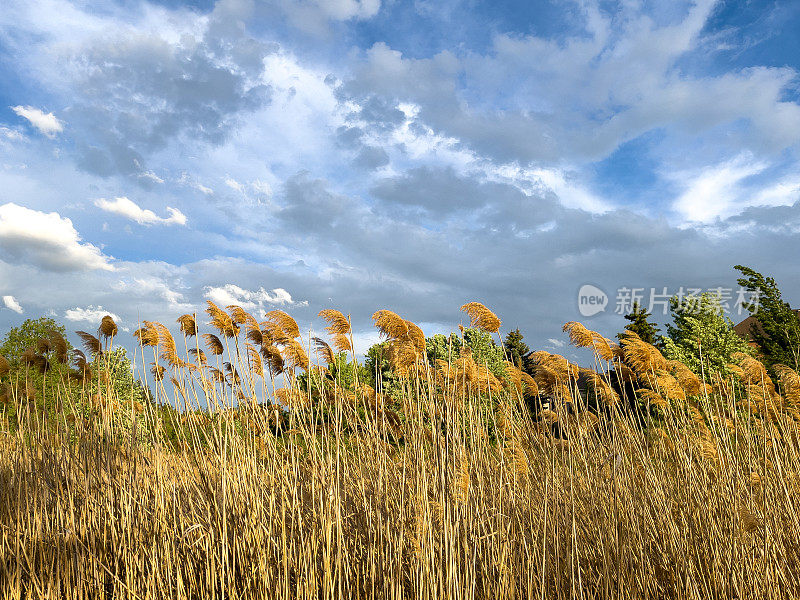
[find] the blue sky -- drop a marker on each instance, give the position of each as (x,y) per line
(411,155)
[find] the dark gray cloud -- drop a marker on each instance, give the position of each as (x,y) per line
(349,137)
(384,258)
(767,220)
(371,158)
(137,92)
(360,258)
(380,113)
(436,194)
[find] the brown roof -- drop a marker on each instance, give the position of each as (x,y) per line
(743,328)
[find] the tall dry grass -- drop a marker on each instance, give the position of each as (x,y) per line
(452,488)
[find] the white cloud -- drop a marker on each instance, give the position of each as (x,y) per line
(150,176)
(232,294)
(12,304)
(47,123)
(90,314)
(423,144)
(11,134)
(233,184)
(556,342)
(261,187)
(130,210)
(149,287)
(573,99)
(570,193)
(782,193)
(186,180)
(313,15)
(47,240)
(714,192)
(349,9)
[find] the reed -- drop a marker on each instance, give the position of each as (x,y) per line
(278,478)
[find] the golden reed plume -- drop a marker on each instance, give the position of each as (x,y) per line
(108,328)
(323,350)
(221,321)
(481,317)
(406,346)
(255,361)
(274,358)
(241,316)
(295,356)
(158,371)
(254,334)
(285,322)
(90,342)
(59,346)
(390,324)
(146,335)
(790,382)
(214,344)
(188,325)
(338,324)
(338,327)
(581,337)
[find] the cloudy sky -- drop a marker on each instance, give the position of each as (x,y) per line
(411,155)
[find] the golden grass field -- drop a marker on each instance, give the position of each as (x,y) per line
(450,487)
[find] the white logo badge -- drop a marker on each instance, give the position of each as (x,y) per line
(591,300)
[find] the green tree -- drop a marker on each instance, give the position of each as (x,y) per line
(641,326)
(20,338)
(342,370)
(50,386)
(38,382)
(377,367)
(701,337)
(484,350)
(777,333)
(516,348)
(116,371)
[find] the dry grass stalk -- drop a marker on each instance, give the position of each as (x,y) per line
(443,486)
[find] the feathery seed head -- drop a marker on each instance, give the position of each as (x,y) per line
(481,317)
(338,324)
(188,325)
(90,342)
(214,344)
(323,350)
(285,322)
(108,328)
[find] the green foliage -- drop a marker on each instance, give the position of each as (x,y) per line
(54,392)
(778,337)
(640,325)
(377,368)
(347,373)
(438,347)
(48,388)
(516,348)
(116,376)
(701,337)
(484,350)
(443,347)
(25,336)
(342,370)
